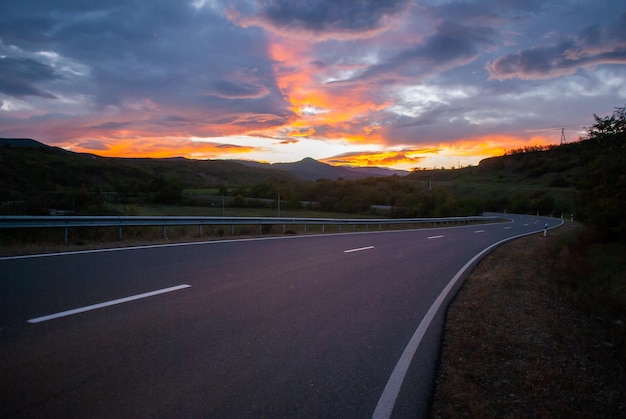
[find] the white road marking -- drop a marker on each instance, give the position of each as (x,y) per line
(359,249)
(387,400)
(434,237)
(107,303)
(506,228)
(479,231)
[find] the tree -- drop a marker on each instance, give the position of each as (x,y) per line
(603,190)
(609,125)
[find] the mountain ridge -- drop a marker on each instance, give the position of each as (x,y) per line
(307,169)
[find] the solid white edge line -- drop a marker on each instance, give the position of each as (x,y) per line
(107,304)
(387,400)
(358,249)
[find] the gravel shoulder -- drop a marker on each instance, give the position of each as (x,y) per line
(516,345)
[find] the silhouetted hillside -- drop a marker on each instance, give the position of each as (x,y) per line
(311,169)
(29,168)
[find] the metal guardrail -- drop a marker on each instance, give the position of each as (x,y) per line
(66,222)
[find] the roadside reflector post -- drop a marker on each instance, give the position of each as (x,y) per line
(545,230)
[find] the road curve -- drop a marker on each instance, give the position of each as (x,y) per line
(343,325)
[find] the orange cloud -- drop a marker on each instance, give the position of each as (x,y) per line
(380,158)
(302,133)
(156,148)
(494,145)
(468,151)
(325,109)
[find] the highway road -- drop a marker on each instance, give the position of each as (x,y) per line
(342,325)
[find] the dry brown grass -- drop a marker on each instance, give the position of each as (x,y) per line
(517,346)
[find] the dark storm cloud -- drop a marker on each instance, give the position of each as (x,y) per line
(451,45)
(144,55)
(486,11)
(593,46)
(229,90)
(19,76)
(323,18)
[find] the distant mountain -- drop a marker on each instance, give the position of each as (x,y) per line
(311,169)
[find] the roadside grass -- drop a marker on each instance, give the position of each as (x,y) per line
(216,211)
(537,331)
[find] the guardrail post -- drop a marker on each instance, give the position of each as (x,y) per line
(200,230)
(65,235)
(305,228)
(164,231)
(119,233)
(322,228)
(232,230)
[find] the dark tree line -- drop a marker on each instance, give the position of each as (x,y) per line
(602,198)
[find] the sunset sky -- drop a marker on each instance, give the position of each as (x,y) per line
(395,83)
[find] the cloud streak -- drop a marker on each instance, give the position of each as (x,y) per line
(320,20)
(591,48)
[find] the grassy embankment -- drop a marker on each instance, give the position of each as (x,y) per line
(538,331)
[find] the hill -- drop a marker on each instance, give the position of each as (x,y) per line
(311,169)
(550,180)
(29,168)
(523,181)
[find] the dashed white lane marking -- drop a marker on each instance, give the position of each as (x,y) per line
(107,303)
(434,237)
(359,249)
(479,231)
(506,228)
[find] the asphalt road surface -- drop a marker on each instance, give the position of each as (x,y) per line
(299,326)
